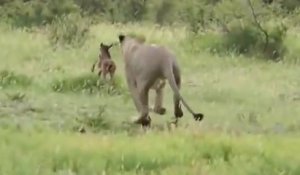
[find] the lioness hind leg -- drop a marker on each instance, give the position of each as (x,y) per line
(158,102)
(143,93)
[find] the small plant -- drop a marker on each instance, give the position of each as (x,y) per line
(194,15)
(18,96)
(35,12)
(94,121)
(8,79)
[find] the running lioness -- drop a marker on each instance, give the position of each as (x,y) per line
(145,67)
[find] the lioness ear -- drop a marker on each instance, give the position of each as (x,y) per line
(121,38)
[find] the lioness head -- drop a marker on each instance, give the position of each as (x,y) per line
(130,42)
(121,38)
(136,38)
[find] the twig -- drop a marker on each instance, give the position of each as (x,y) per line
(258,25)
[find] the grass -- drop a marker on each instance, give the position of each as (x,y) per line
(180,152)
(251,111)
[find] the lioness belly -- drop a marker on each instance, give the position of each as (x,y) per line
(160,83)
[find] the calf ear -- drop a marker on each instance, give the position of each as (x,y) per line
(101,44)
(121,38)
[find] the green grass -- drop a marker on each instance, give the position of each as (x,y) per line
(180,152)
(251,109)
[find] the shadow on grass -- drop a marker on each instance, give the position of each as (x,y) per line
(10,79)
(87,83)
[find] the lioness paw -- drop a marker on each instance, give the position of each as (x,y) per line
(198,116)
(160,111)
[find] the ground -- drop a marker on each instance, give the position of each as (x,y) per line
(251,109)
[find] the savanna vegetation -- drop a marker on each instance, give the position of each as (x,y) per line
(240,67)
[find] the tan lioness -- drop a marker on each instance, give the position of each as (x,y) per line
(147,66)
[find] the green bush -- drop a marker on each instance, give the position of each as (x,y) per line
(35,13)
(194,13)
(247,40)
(242,40)
(69,30)
(250,40)
(161,12)
(69,21)
(197,15)
(9,79)
(290,5)
(238,30)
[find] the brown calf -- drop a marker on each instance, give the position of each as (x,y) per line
(105,63)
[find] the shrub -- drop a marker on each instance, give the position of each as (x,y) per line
(242,40)
(241,31)
(161,11)
(247,40)
(196,14)
(34,12)
(69,30)
(275,49)
(290,5)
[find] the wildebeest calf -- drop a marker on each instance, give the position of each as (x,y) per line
(105,63)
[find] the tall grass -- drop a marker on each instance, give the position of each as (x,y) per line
(164,153)
(250,107)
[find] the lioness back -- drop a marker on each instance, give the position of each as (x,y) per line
(151,60)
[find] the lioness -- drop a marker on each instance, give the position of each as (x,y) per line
(147,66)
(105,63)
